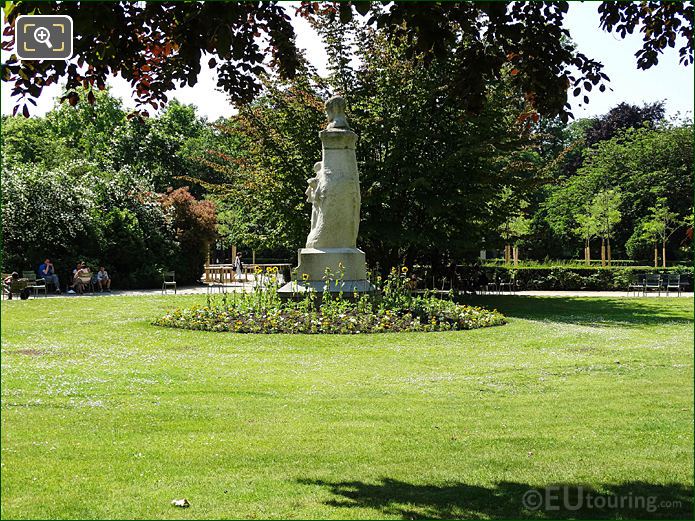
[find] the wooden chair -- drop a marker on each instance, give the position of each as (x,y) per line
(169,280)
(35,284)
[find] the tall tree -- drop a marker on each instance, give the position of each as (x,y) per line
(430,173)
(659,226)
(605,212)
(587,229)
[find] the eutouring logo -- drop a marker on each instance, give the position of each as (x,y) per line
(572,498)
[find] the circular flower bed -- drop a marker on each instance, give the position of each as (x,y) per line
(391,309)
(449,317)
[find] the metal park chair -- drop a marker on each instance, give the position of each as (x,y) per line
(169,281)
(637,285)
(34,284)
(652,282)
(673,282)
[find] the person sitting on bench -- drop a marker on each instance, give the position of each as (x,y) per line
(47,272)
(77,283)
(103,279)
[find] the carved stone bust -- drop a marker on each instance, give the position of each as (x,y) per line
(335,109)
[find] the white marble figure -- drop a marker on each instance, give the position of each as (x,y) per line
(312,196)
(335,190)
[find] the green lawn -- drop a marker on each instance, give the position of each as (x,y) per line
(106,416)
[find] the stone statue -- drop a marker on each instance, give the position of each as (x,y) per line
(334,194)
(335,190)
(335,110)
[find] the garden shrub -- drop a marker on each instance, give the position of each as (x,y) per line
(196,227)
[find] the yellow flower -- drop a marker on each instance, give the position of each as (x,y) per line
(404,269)
(305,276)
(393,270)
(378,279)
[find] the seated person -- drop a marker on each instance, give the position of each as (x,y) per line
(77,283)
(47,272)
(7,283)
(103,279)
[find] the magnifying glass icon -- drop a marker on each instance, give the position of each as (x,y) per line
(42,35)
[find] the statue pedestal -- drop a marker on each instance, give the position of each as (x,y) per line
(311,272)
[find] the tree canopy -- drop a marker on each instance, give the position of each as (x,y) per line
(157,46)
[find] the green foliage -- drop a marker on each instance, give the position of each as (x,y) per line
(430,180)
(44,214)
(432,183)
(662,222)
(644,165)
(261,196)
(587,226)
(604,212)
(83,183)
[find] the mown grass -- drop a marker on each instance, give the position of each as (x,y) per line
(107,416)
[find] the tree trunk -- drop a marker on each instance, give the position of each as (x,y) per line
(656,255)
(663,253)
(609,251)
(603,252)
(516,256)
(507,253)
(587,252)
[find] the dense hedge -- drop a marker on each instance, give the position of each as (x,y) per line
(578,278)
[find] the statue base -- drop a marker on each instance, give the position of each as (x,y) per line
(347,272)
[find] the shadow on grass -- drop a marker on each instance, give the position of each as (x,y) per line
(632,500)
(590,310)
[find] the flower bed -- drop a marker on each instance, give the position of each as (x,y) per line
(391,309)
